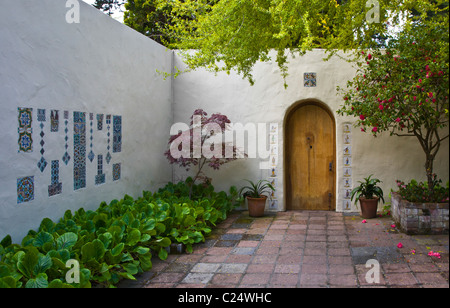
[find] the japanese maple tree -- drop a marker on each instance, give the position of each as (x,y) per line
(404,88)
(203,144)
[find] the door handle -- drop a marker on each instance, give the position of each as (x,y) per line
(330,166)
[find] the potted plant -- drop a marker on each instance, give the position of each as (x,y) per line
(368,194)
(255,193)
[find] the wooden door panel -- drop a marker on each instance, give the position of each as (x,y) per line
(310,150)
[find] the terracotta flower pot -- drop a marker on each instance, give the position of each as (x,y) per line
(369,207)
(256,206)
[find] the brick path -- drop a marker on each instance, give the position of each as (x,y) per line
(302,249)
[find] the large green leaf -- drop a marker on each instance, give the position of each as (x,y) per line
(67,240)
(27,262)
(94,250)
(6,241)
(39,282)
(133,236)
(7,282)
(47,225)
(43,264)
(146,261)
(42,238)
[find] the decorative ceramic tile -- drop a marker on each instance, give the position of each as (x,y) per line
(66,156)
(91,154)
(108,123)
(117,134)
(41,115)
(25,130)
(309,79)
(55,187)
(116,172)
(79,150)
(54,120)
(25,189)
(42,163)
(100,121)
(347,165)
(100,177)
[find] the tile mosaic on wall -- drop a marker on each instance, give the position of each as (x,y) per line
(42,164)
(309,80)
(100,177)
(26,185)
(79,150)
(25,130)
(108,123)
(91,154)
(66,156)
(56,187)
(54,121)
(116,172)
(117,134)
(25,189)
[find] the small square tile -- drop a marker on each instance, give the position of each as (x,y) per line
(226,279)
(313,279)
(256,279)
(244,250)
(198,278)
(205,267)
(289,279)
(233,268)
(309,79)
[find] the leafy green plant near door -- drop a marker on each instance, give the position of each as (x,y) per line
(116,241)
(369,194)
(256,195)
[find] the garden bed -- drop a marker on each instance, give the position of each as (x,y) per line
(420,218)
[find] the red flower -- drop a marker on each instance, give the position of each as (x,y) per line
(362,117)
(369,56)
(375,129)
(397,120)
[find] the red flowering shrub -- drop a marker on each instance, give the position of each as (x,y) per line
(404,88)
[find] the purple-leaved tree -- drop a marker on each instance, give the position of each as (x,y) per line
(202,144)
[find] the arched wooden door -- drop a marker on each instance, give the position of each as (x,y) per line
(310,158)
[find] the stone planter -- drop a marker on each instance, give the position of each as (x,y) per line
(419,218)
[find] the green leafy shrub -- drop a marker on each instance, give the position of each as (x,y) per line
(115,241)
(421,192)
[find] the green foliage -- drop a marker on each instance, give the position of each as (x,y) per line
(115,241)
(420,192)
(234,35)
(404,88)
(367,189)
(256,190)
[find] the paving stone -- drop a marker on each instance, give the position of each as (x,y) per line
(305,249)
(244,250)
(232,268)
(205,267)
(201,278)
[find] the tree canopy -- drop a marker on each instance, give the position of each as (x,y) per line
(235,34)
(404,88)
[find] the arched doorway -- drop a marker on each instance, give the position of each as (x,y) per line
(310,159)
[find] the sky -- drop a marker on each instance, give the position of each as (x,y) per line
(117,16)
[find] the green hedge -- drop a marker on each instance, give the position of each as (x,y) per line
(118,240)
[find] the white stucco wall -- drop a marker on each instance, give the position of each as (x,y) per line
(97,66)
(388,158)
(100,66)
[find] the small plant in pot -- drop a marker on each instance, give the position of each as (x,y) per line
(368,194)
(256,195)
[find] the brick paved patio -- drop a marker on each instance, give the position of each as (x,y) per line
(303,249)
